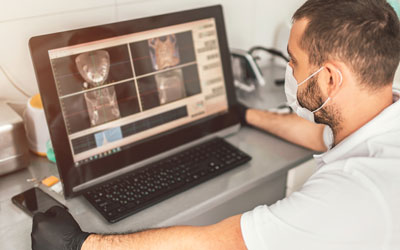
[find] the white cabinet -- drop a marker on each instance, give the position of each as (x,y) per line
(299,175)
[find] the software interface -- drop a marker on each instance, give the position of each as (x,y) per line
(118,91)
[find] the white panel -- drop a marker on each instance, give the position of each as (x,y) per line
(273,22)
(17,9)
(239,15)
(397,79)
(132,9)
(241,23)
(248,22)
(270,16)
(121,2)
(299,175)
(14,49)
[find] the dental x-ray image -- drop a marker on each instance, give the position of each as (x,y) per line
(159,64)
(94,67)
(164,52)
(170,86)
(161,53)
(102,103)
(71,72)
(99,86)
(87,89)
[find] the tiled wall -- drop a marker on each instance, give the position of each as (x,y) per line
(248,23)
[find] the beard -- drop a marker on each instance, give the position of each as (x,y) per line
(311,99)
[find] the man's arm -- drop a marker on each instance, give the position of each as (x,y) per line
(57,229)
(289,127)
(223,235)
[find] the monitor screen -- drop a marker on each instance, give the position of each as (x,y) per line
(118,91)
(118,94)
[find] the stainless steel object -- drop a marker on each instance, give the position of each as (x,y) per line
(14,152)
(246,73)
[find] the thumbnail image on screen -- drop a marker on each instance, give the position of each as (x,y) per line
(85,84)
(166,69)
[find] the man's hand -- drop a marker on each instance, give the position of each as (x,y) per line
(56,229)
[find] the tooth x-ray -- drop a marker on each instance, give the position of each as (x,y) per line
(164,54)
(170,86)
(102,104)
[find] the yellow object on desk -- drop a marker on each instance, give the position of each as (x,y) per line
(36,102)
(50,181)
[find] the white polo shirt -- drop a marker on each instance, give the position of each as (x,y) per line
(352,202)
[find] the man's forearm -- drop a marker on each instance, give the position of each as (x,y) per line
(163,238)
(224,235)
(289,127)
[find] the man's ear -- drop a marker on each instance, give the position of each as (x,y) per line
(331,79)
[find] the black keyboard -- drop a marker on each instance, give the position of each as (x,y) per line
(160,180)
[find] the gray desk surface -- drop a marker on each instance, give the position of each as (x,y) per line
(272,157)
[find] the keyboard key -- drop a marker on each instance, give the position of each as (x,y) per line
(121,209)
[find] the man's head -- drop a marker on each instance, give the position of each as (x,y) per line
(358,40)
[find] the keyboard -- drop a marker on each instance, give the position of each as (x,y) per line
(153,183)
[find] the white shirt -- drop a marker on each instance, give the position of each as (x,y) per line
(352,202)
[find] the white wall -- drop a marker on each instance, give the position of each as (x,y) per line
(248,23)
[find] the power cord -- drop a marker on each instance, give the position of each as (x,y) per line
(273,52)
(13,83)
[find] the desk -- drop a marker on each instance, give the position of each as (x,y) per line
(261,181)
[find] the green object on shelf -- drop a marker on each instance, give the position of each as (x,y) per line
(50,152)
(396,6)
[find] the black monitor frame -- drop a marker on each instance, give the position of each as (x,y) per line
(72,176)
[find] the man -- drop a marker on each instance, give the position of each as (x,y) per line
(344,54)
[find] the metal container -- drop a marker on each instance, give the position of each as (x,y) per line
(14,152)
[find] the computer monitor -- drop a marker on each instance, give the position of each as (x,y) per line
(117,95)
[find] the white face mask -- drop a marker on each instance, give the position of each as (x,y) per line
(291,87)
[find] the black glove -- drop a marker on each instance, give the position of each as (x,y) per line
(241,110)
(56,229)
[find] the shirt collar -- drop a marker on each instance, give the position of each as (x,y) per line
(382,123)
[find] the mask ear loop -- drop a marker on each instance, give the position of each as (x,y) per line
(329,98)
(311,76)
(341,77)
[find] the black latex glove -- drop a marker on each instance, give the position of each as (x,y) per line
(56,229)
(242,110)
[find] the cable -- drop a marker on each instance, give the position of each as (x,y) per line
(271,51)
(13,83)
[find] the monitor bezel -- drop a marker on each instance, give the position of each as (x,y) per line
(73,176)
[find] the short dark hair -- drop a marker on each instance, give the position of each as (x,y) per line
(364,34)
